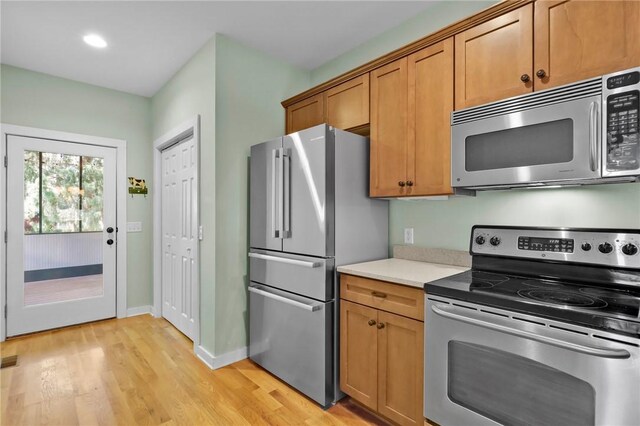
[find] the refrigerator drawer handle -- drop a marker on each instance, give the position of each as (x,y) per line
(589,350)
(310,308)
(285,260)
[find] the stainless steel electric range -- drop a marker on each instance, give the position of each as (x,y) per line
(543,330)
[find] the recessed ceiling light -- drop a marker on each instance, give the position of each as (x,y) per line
(95,40)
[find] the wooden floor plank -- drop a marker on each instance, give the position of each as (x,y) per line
(142,371)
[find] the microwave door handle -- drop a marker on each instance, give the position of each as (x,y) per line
(593,136)
(589,350)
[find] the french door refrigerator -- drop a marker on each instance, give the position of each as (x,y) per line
(309,213)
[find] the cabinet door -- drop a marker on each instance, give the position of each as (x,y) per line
(389,130)
(576,40)
(493,58)
(306,113)
(348,103)
(358,353)
(430,104)
(400,368)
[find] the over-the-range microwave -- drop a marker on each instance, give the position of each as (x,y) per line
(580,133)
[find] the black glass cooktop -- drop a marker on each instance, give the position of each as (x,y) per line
(611,309)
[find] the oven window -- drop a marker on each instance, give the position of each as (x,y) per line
(513,390)
(544,143)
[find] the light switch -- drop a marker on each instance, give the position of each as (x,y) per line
(134,226)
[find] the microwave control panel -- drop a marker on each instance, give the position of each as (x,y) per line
(622,122)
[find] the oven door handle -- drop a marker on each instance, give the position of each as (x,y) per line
(589,350)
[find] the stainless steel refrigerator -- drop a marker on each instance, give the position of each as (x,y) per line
(309,213)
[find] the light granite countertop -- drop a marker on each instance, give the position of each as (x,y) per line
(407,272)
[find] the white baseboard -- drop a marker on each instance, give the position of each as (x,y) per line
(215,362)
(139,310)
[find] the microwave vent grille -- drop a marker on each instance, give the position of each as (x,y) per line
(565,93)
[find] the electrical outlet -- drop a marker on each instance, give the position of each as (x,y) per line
(408,235)
(134,226)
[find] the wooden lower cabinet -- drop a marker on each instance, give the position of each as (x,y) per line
(400,368)
(381,361)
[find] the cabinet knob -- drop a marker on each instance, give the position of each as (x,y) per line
(380,326)
(409,183)
(524,78)
(401,183)
(541,73)
(372,322)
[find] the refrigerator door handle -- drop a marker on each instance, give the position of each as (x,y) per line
(286,170)
(280,184)
(274,195)
(310,308)
(295,262)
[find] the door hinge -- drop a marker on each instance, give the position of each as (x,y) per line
(5,237)
(6,161)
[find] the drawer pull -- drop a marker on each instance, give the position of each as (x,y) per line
(378,294)
(285,260)
(372,322)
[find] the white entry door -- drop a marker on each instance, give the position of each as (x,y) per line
(180,236)
(61,234)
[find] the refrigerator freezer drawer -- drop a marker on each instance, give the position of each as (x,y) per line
(291,336)
(307,276)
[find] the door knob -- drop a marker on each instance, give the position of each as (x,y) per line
(110,230)
(541,73)
(372,322)
(401,183)
(380,326)
(524,78)
(110,241)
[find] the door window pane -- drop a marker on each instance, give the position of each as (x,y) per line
(31,192)
(60,193)
(544,143)
(92,181)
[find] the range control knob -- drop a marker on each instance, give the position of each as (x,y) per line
(605,248)
(629,249)
(586,246)
(480,240)
(494,241)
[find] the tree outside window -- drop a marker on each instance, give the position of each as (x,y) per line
(62,193)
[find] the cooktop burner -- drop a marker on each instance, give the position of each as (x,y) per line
(565,298)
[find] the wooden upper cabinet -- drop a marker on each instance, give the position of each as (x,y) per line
(306,113)
(388,158)
(492,59)
(576,40)
(358,353)
(347,104)
(430,75)
(400,369)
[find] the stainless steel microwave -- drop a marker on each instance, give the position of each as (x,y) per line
(580,133)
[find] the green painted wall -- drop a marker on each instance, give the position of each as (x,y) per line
(191,92)
(39,100)
(249,89)
(431,20)
(447,224)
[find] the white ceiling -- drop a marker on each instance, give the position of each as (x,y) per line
(150,40)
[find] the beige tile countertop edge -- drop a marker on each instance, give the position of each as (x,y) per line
(400,271)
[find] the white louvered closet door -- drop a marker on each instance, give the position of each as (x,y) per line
(180,236)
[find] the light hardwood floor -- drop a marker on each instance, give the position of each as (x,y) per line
(141,370)
(58,290)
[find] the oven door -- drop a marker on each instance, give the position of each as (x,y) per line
(485,366)
(551,143)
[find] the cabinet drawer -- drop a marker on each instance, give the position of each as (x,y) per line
(395,298)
